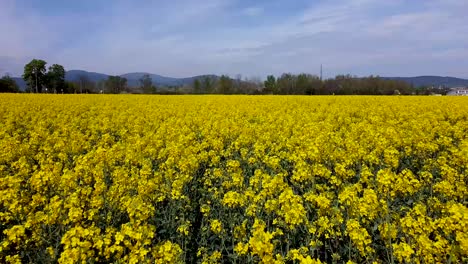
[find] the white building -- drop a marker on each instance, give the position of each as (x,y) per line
(458,91)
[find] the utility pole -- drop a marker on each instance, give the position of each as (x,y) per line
(321,72)
(36,80)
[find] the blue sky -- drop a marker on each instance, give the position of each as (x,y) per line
(251,38)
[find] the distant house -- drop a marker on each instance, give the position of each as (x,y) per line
(458,91)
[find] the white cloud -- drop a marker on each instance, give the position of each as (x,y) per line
(346,37)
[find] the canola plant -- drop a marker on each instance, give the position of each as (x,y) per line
(233,179)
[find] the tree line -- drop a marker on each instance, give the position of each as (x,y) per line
(8,85)
(340,85)
(308,84)
(40,79)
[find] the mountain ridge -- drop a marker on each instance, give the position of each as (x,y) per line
(134,77)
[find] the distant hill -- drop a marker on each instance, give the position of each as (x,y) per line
(20,82)
(190,80)
(163,81)
(75,75)
(432,81)
(132,78)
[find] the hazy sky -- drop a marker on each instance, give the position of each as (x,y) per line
(252,38)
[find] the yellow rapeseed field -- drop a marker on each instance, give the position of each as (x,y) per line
(233,179)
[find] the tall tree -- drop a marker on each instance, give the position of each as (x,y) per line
(238,85)
(146,84)
(208,84)
(196,86)
(270,84)
(8,85)
(301,84)
(286,83)
(84,84)
(70,87)
(101,86)
(35,75)
(116,84)
(82,81)
(252,85)
(314,85)
(225,85)
(56,78)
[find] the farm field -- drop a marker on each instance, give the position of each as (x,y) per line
(233,179)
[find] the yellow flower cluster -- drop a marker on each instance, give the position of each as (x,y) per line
(233,179)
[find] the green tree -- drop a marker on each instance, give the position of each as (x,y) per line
(302,84)
(35,75)
(286,83)
(270,84)
(208,84)
(146,84)
(116,84)
(196,86)
(225,85)
(69,87)
(56,78)
(84,84)
(8,85)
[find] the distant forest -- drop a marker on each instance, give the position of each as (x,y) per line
(40,79)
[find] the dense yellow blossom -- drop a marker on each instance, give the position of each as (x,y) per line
(216,226)
(233,179)
(359,237)
(260,242)
(403,252)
